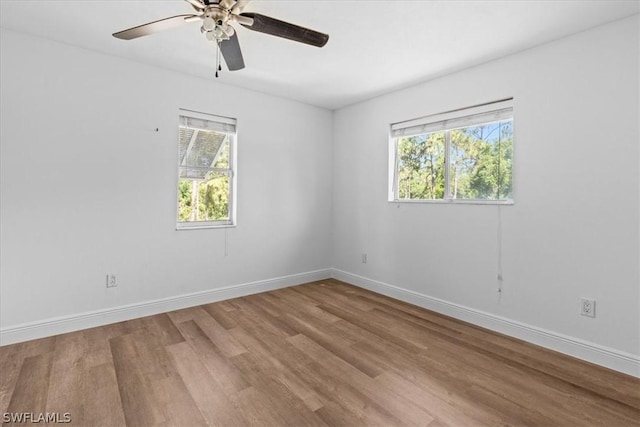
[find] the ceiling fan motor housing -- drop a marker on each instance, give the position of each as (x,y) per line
(215,23)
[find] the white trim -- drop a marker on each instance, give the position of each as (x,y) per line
(591,352)
(202,225)
(508,202)
(64,324)
(576,347)
(493,112)
(228,126)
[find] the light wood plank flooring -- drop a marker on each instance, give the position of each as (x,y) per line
(323,353)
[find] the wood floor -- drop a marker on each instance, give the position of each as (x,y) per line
(323,353)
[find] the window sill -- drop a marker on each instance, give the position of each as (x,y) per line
(454,202)
(183,227)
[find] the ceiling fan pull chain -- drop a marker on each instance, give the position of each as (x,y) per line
(218,67)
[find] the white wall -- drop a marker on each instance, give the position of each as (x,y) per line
(88,186)
(573,231)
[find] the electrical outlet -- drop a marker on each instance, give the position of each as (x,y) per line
(111,280)
(364,258)
(588,307)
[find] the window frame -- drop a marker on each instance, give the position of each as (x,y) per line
(231,170)
(458,114)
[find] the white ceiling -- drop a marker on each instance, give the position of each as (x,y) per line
(375,46)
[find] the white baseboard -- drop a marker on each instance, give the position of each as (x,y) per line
(60,325)
(591,352)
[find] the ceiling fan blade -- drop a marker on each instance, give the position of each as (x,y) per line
(239,6)
(275,27)
(153,27)
(231,52)
(196,4)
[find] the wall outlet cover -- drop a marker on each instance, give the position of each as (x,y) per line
(111,280)
(588,307)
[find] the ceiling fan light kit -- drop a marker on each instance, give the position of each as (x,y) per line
(216,17)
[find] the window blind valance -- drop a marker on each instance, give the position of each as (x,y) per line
(207,122)
(465,117)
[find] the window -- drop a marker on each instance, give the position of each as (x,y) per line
(462,155)
(206,164)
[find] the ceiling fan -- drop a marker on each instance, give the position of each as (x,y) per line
(216,17)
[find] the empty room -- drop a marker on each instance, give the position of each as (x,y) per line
(320,212)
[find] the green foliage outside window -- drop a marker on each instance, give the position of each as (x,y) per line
(421,166)
(204,184)
(211,199)
(480,164)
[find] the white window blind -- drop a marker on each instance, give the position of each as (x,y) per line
(208,122)
(463,155)
(206,170)
(465,117)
